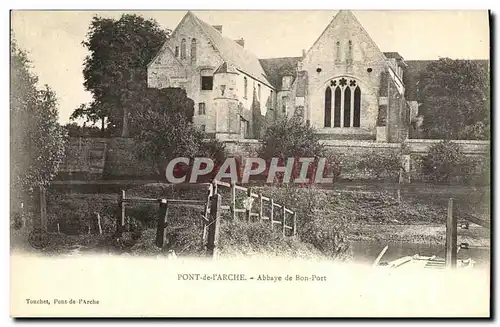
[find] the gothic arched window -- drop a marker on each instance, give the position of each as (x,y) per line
(328,107)
(183,49)
(347,107)
(346,103)
(193,51)
(357,107)
(336,112)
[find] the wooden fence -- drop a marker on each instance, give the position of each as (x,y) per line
(215,208)
(212,209)
(162,215)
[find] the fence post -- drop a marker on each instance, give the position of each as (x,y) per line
(121,220)
(451,237)
(43,208)
(260,206)
(284,221)
(294,225)
(233,200)
(214,226)
(160,229)
(206,217)
(271,216)
(249,210)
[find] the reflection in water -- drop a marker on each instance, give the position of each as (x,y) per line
(367,251)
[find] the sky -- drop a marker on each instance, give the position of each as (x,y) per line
(53,39)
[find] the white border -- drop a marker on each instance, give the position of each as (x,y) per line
(186,4)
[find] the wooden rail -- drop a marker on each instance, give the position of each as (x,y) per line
(162,219)
(259,202)
(212,209)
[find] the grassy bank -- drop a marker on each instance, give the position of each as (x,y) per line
(327,220)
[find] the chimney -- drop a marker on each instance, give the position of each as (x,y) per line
(240,42)
(218,27)
(303,53)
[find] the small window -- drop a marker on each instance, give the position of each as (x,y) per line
(245,87)
(176,52)
(283,105)
(271,100)
(201,108)
(183,49)
(258,92)
(203,128)
(193,51)
(349,53)
(207,83)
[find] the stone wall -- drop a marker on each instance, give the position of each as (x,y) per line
(123,162)
(116,158)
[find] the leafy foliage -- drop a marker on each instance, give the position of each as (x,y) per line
(115,71)
(455,97)
(317,221)
(75,130)
(446,162)
(37,139)
(381,164)
(163,126)
(290,137)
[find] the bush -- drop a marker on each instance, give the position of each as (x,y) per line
(247,238)
(445,162)
(292,138)
(381,164)
(318,223)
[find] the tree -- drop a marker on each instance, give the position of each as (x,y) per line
(115,71)
(163,127)
(37,139)
(292,138)
(455,100)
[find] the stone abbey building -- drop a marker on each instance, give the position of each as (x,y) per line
(344,85)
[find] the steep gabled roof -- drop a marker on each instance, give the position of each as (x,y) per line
(233,53)
(347,15)
(276,68)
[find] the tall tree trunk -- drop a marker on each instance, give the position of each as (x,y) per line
(125,131)
(102,124)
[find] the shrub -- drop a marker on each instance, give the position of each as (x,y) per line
(292,138)
(380,164)
(445,162)
(318,223)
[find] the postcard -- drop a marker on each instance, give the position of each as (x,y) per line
(250,164)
